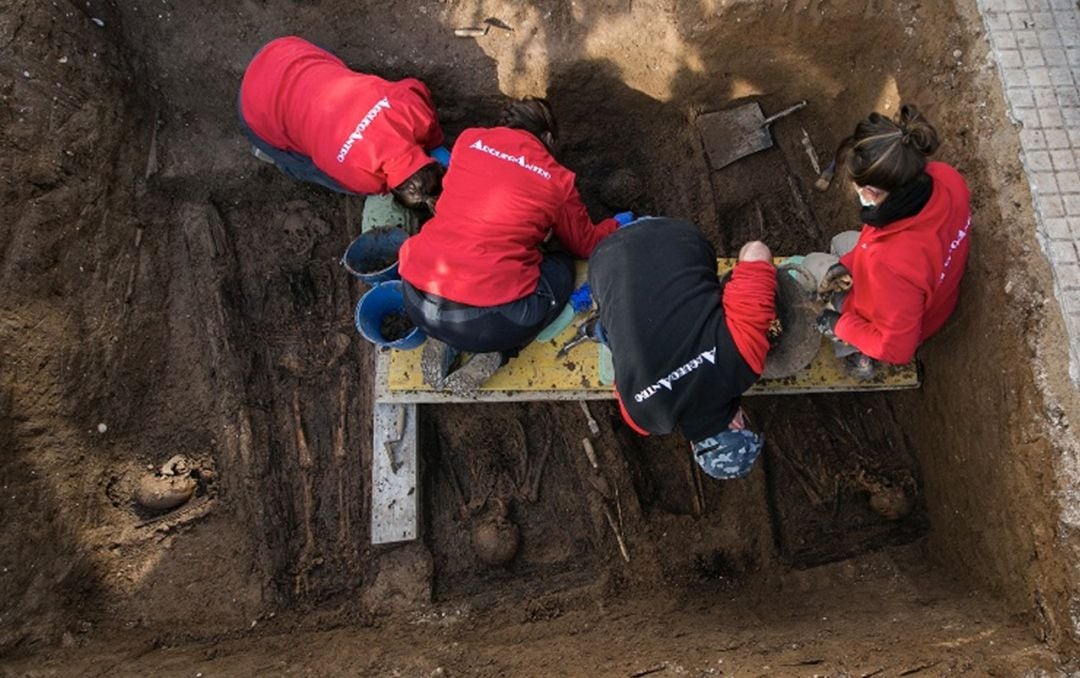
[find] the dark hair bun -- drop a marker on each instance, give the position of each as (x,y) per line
(532,114)
(887,153)
(918,133)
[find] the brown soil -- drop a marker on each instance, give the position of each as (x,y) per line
(166,293)
(379,265)
(395,326)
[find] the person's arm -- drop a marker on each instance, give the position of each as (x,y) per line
(892,332)
(749,308)
(575,230)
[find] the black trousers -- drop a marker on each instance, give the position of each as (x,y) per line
(507,327)
(291,164)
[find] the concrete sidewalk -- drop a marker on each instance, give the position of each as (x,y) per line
(1036,44)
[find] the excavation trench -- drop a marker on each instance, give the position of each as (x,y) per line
(168,293)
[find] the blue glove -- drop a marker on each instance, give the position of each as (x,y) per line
(624,218)
(581,298)
(441,155)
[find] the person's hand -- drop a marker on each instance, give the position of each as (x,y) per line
(624,218)
(581,298)
(826,323)
(836,279)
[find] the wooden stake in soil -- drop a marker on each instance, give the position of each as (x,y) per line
(590,452)
(594,428)
(152,154)
(618,533)
(130,290)
(600,485)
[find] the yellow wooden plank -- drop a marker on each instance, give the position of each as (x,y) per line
(825,373)
(537,371)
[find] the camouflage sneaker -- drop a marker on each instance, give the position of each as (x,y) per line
(435,362)
(465,380)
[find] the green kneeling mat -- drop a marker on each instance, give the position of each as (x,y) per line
(557,325)
(604,366)
(383,210)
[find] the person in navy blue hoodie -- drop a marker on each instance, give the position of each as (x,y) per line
(684,345)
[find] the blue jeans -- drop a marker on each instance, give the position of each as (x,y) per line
(507,327)
(292,164)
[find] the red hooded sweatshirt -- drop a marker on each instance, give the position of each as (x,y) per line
(502,195)
(906,275)
(367,133)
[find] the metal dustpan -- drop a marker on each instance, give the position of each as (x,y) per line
(738,132)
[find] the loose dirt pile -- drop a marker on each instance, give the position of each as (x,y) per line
(165,293)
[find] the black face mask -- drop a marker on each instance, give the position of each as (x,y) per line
(906,201)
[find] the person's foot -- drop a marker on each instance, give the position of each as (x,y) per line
(435,362)
(860,366)
(465,380)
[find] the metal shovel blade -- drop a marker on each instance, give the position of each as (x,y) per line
(737,132)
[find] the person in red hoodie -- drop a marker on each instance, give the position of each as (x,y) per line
(477,278)
(318,121)
(906,265)
(684,344)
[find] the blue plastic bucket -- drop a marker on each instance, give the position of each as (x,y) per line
(377,303)
(367,255)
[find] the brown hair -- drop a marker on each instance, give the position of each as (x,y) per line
(422,188)
(886,153)
(533,115)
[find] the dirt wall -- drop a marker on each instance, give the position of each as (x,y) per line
(992,420)
(164,292)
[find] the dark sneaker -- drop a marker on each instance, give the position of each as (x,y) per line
(860,366)
(473,373)
(435,362)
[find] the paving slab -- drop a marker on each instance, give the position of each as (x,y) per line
(1036,44)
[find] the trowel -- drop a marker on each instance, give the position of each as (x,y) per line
(737,132)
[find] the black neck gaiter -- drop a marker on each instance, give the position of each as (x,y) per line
(906,201)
